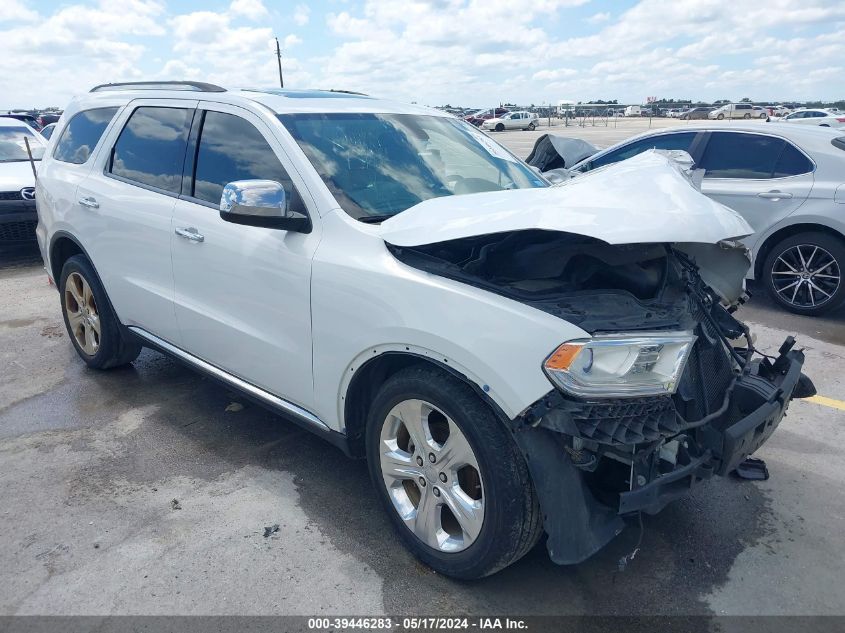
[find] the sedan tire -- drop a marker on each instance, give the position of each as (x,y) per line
(803,273)
(449,475)
(91,323)
(500,127)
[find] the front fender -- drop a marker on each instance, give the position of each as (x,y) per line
(365,302)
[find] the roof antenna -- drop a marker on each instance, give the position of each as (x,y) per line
(31,159)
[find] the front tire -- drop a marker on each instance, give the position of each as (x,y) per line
(90,321)
(803,273)
(500,127)
(720,116)
(449,475)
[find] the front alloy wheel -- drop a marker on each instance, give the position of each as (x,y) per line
(431,475)
(449,474)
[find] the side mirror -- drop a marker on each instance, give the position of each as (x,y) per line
(263,203)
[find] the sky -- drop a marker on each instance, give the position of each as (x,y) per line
(460,52)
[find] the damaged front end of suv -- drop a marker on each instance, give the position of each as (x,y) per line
(666,388)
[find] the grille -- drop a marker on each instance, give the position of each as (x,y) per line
(18,231)
(626,421)
(10,195)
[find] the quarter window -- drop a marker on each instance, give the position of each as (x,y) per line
(81,135)
(151,148)
(791,163)
(230,148)
(737,155)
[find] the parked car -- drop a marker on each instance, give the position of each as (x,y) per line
(695,113)
(47,130)
(788,181)
(18,215)
(733,111)
(481,116)
(777,110)
(46,118)
(825,118)
(759,112)
(511,358)
(633,110)
(512,121)
(29,119)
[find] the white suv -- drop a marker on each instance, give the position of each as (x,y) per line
(510,357)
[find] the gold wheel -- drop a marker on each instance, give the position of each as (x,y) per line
(83,317)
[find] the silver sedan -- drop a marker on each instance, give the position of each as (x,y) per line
(788,181)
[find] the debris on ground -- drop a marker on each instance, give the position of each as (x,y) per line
(234,407)
(175,505)
(272,529)
(752,468)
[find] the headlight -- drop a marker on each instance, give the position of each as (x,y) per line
(621,365)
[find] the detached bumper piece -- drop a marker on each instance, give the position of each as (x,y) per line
(594,461)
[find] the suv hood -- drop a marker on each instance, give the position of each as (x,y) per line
(645,199)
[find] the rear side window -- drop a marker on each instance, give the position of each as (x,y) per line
(230,148)
(81,135)
(151,147)
(681,141)
(736,155)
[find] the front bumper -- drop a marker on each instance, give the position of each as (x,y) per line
(757,403)
(666,461)
(18,219)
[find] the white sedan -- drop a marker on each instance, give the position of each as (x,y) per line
(826,118)
(512,121)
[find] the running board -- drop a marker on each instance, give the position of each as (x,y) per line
(312,422)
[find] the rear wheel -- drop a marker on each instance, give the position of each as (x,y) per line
(91,323)
(746,115)
(532,126)
(803,273)
(449,474)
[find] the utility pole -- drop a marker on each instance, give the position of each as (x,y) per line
(279,59)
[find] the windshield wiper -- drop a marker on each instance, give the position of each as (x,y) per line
(375,219)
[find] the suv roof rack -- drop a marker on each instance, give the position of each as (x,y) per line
(190,86)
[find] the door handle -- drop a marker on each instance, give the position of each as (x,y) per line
(190,233)
(774,195)
(89,203)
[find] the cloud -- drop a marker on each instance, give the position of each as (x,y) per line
(16,11)
(301,14)
(228,53)
(468,52)
(598,18)
(250,9)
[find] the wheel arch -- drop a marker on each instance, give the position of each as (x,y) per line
(63,246)
(366,379)
(785,232)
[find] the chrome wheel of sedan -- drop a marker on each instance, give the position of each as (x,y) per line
(82,314)
(806,276)
(432,476)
